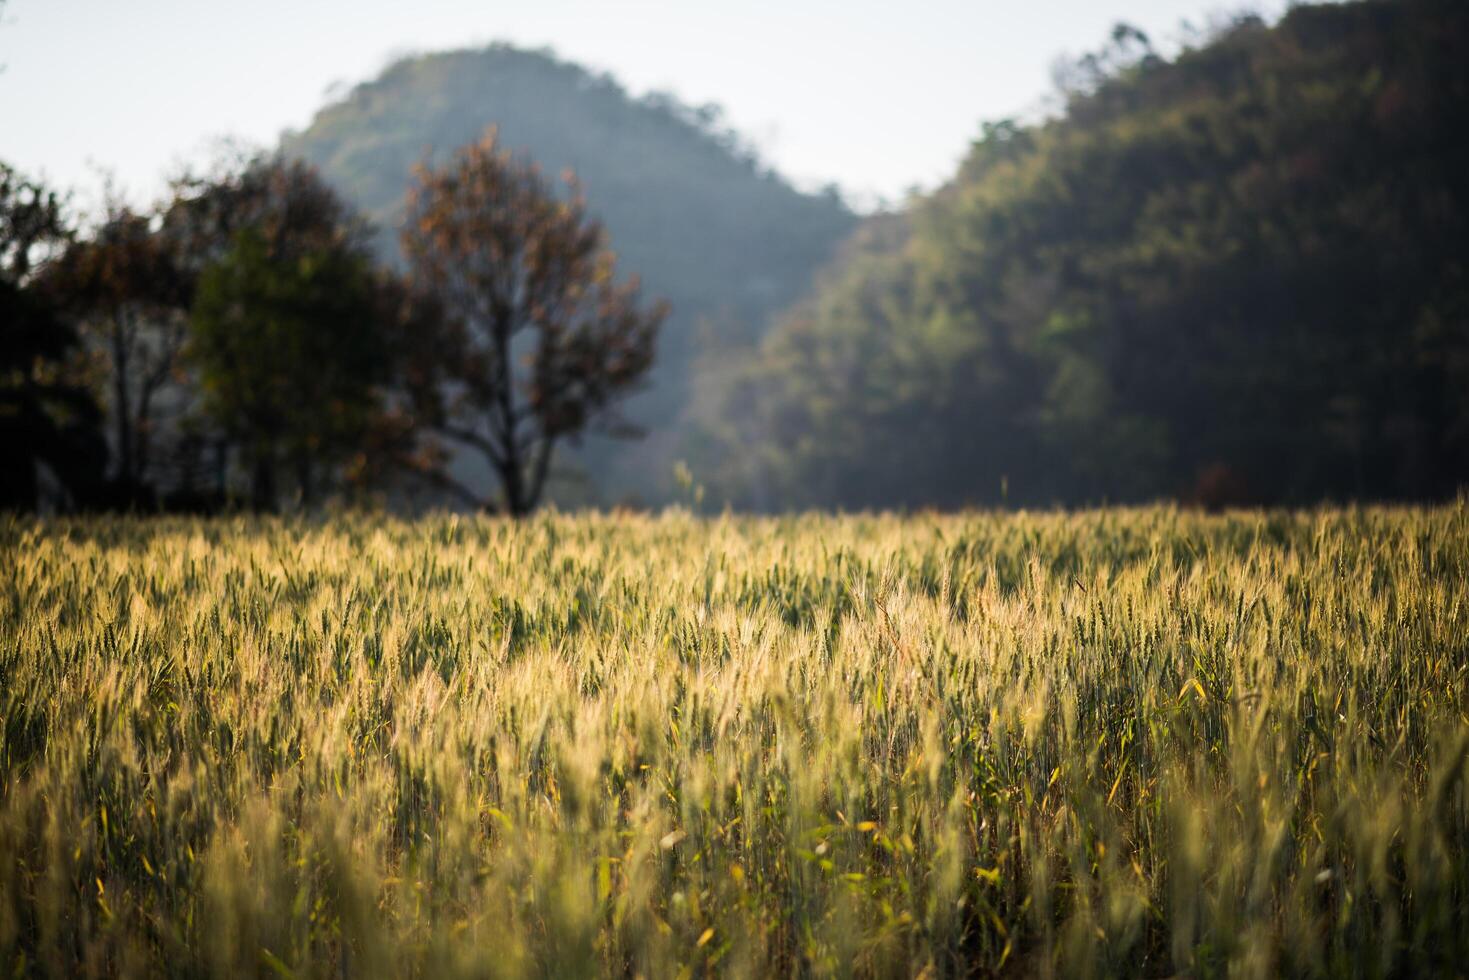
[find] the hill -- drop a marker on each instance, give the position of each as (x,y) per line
(687,205)
(1236,275)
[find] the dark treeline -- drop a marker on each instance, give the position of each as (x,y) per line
(222,374)
(167,345)
(1239,275)
(239,345)
(50,422)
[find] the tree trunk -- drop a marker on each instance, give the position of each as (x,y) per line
(543,467)
(262,484)
(303,479)
(221,470)
(122,408)
(511,480)
(511,475)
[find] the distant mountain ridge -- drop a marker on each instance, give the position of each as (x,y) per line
(687,205)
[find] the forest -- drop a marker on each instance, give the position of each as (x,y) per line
(1233,274)
(1233,277)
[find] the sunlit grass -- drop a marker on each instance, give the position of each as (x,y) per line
(1123,742)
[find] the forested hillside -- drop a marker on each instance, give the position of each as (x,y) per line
(686,204)
(1239,275)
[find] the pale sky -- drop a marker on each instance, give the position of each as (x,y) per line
(875,96)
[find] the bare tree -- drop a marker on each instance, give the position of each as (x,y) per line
(541,340)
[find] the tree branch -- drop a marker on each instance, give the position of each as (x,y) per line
(471,438)
(444,481)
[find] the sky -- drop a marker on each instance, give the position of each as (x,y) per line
(876,97)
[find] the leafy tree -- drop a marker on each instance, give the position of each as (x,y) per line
(47,419)
(128,287)
(289,357)
(295,216)
(725,240)
(397,454)
(544,342)
(283,200)
(306,353)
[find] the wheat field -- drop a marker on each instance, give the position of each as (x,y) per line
(1110,743)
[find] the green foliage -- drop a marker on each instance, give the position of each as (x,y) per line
(689,208)
(1115,743)
(49,422)
(290,354)
(126,287)
(1248,261)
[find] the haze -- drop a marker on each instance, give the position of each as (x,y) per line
(875,97)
